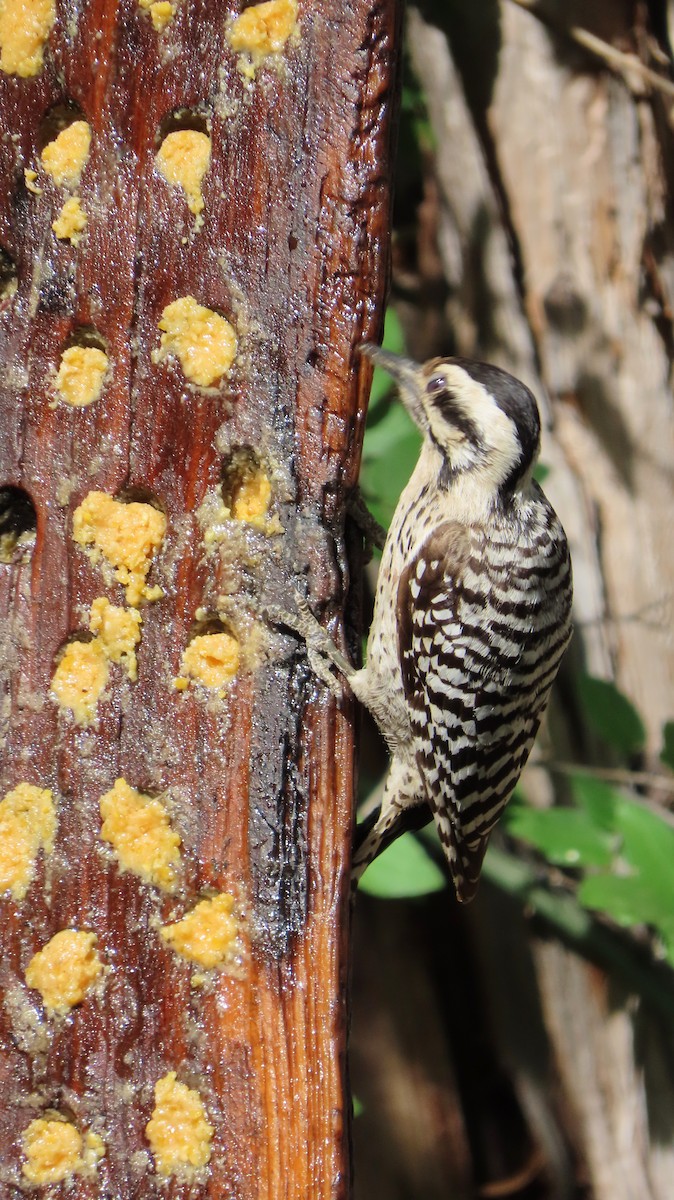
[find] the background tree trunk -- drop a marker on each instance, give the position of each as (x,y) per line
(544,245)
(259,781)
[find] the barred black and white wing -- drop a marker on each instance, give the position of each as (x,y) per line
(482,627)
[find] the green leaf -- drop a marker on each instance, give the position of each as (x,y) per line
(648,847)
(405,869)
(384,436)
(645,896)
(357,1106)
(390,454)
(667,752)
(392,440)
(611,714)
(628,899)
(567,837)
(413,109)
(597,798)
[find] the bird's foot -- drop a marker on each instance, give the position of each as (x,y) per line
(322,652)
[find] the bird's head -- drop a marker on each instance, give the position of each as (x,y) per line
(480,418)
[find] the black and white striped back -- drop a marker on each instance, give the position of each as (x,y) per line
(483,618)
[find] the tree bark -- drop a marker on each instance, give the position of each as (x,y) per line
(259,781)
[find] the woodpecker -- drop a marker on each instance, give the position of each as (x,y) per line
(472,611)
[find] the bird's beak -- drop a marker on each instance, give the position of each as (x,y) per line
(407,375)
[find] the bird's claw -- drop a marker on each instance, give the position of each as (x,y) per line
(280,616)
(321,650)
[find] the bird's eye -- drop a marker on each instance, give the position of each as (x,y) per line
(436,385)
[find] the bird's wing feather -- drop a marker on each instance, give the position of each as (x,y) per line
(471,709)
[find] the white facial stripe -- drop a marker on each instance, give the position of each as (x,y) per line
(496,432)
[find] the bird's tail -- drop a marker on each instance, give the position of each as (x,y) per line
(381,828)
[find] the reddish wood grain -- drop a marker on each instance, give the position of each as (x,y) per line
(293,250)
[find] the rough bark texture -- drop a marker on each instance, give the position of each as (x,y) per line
(293,251)
(549,200)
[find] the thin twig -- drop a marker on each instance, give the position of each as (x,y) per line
(618,60)
(619,775)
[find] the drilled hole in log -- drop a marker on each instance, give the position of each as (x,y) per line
(83,368)
(18,525)
(122,536)
(198,119)
(77,635)
(211,657)
(80,676)
(184,155)
(8,278)
(137,494)
(88,337)
(206,624)
(246,490)
(55,120)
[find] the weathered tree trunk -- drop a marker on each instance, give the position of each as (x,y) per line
(258,778)
(551,191)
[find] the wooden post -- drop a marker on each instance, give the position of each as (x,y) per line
(256,777)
